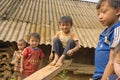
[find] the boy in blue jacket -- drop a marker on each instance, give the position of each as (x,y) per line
(108,15)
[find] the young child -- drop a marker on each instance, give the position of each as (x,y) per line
(32,56)
(108,15)
(116,76)
(64,43)
(117,61)
(21,44)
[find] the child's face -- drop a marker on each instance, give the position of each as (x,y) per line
(21,45)
(65,27)
(33,41)
(107,15)
(117,64)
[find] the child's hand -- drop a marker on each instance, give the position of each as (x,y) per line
(70,53)
(50,57)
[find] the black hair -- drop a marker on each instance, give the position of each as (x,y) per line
(113,3)
(22,40)
(117,48)
(66,19)
(36,35)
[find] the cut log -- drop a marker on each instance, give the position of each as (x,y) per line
(5,66)
(48,72)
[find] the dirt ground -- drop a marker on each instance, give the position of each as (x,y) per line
(72,76)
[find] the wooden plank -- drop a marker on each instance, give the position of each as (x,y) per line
(48,72)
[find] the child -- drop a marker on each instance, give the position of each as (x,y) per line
(116,76)
(108,14)
(64,42)
(32,56)
(16,58)
(117,61)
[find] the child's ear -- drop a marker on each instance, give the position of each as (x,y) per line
(118,12)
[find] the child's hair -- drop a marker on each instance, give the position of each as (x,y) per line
(112,3)
(36,35)
(117,48)
(66,19)
(22,40)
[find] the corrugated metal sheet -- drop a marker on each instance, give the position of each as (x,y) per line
(18,18)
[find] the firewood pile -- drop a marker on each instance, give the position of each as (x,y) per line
(5,66)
